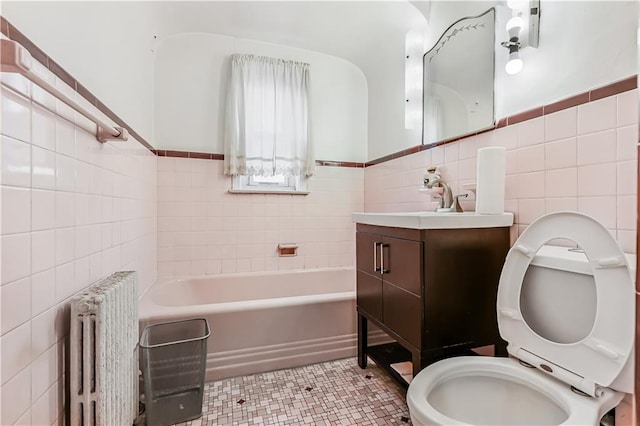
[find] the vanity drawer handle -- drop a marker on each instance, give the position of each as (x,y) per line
(382,269)
(376,268)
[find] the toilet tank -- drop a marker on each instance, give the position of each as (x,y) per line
(558,299)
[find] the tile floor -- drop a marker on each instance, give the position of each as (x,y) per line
(331,393)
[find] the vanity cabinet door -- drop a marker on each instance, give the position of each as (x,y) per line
(369,294)
(402,312)
(402,264)
(368,251)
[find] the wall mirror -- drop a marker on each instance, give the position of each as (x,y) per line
(458,94)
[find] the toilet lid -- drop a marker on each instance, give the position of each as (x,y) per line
(601,355)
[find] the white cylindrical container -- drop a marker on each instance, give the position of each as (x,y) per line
(490,180)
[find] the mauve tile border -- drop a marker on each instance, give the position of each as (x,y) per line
(209,156)
(13,34)
(614,88)
(187,154)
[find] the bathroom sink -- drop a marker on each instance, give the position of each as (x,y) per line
(434,220)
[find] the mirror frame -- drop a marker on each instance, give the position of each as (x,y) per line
(493,91)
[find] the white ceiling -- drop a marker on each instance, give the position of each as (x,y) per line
(366,33)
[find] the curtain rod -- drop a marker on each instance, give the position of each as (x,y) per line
(17,59)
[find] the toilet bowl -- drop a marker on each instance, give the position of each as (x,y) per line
(569,319)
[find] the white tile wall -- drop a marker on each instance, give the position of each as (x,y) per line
(202,229)
(582,158)
(73,211)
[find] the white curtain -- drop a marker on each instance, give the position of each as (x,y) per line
(432,119)
(267,126)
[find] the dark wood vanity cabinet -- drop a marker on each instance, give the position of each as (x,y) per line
(433,291)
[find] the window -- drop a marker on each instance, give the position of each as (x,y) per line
(267,129)
(273,184)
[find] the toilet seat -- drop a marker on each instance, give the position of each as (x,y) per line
(598,359)
(578,409)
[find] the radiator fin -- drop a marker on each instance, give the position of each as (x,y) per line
(104,356)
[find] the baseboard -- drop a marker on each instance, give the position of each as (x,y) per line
(243,362)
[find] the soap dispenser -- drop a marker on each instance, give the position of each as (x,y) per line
(431,176)
(431,180)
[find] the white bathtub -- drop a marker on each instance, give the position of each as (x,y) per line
(263,321)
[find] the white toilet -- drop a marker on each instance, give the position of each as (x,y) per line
(569,320)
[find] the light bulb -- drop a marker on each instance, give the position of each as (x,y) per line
(515,64)
(515,22)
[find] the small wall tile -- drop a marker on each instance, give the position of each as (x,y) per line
(15,162)
(627,240)
(65,209)
(43,294)
(44,372)
(16,397)
(43,204)
(16,304)
(603,209)
(627,212)
(25,419)
(597,116)
(531,132)
(16,257)
(597,148)
(530,210)
(468,169)
(44,410)
(561,124)
(43,170)
(560,154)
(627,143)
(627,108)
(437,155)
(43,332)
(16,351)
(511,166)
(451,152)
(15,116)
(65,173)
(530,159)
(599,179)
(467,150)
(531,185)
(65,240)
(15,202)
(43,251)
(43,128)
(83,177)
(627,179)
(505,136)
(561,182)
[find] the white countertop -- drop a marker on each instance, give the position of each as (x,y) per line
(433,220)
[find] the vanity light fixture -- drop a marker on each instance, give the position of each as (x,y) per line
(523,30)
(514,26)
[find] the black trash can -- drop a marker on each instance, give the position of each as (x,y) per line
(174,357)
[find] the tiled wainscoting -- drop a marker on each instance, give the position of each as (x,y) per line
(202,229)
(582,158)
(73,211)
